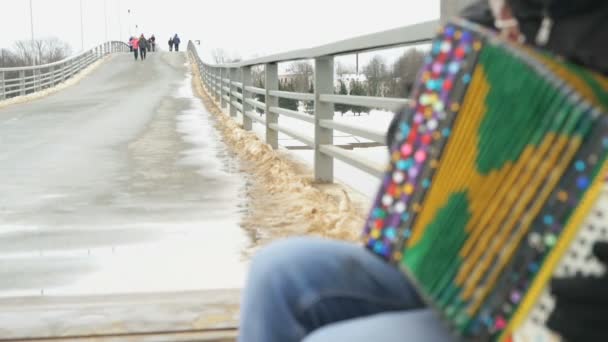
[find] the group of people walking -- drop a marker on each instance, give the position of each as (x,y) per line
(140,46)
(174,43)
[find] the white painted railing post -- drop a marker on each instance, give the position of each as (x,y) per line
(217,83)
(247,82)
(64,71)
(78,66)
(324,84)
(206,77)
(2,86)
(22,82)
(232,87)
(451,8)
(213,85)
(272,83)
(223,75)
(37,80)
(53,78)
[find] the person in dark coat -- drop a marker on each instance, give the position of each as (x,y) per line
(176,42)
(171,44)
(153,43)
(143,46)
(575,30)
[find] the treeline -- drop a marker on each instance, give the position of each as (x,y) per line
(395,80)
(40,51)
(381,80)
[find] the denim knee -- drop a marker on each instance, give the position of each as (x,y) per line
(278,256)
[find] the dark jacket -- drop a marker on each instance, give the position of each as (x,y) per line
(143,43)
(579,31)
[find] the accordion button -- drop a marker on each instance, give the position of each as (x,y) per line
(387,200)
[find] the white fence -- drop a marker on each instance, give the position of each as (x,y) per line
(231,86)
(26,80)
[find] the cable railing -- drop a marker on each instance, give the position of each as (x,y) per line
(231,86)
(22,81)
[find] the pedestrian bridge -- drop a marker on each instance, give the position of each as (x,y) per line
(122,205)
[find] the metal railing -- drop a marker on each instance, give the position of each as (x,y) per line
(27,80)
(231,86)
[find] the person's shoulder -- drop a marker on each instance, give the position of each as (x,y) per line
(479,12)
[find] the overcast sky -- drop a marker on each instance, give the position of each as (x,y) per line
(241,27)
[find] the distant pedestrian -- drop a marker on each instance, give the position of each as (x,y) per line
(153,43)
(131,44)
(171,44)
(176,42)
(143,46)
(135,46)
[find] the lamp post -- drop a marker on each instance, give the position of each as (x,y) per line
(129,12)
(81,29)
(119,21)
(32,28)
(105,18)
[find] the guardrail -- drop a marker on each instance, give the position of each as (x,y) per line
(231,86)
(27,80)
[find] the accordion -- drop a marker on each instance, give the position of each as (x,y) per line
(496,182)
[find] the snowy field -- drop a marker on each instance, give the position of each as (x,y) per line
(361,181)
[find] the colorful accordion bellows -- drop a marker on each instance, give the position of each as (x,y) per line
(495,168)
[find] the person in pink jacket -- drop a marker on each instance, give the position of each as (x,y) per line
(135,43)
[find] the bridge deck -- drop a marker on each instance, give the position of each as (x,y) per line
(117,185)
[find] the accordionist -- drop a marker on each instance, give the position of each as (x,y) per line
(299,288)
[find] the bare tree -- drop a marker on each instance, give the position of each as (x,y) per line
(236,57)
(377,76)
(8,59)
(302,72)
(24,50)
(40,51)
(342,69)
(56,50)
(405,71)
(221,56)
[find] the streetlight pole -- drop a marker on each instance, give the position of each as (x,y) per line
(119,21)
(81,28)
(105,18)
(32,20)
(32,29)
(129,11)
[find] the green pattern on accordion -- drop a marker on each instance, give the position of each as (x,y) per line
(489,163)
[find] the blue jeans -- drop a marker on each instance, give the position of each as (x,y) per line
(298,285)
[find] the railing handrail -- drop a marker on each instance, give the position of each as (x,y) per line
(65,60)
(22,81)
(229,83)
(411,34)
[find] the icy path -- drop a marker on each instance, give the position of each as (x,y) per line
(118,185)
